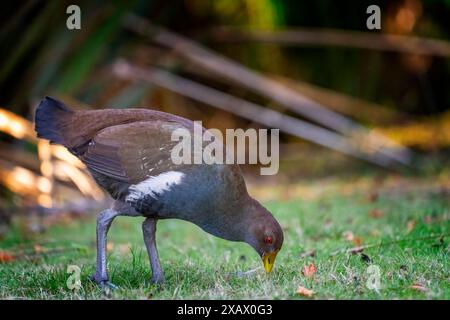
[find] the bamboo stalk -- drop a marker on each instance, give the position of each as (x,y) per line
(248,110)
(350,106)
(24,181)
(264,86)
(335,37)
(345,104)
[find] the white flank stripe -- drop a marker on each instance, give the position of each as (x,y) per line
(156,184)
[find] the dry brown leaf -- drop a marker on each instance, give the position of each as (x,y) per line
(309,270)
(376,214)
(349,236)
(39,249)
(6,257)
(357,241)
(419,287)
(410,225)
(302,291)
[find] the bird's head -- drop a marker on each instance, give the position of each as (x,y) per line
(264,234)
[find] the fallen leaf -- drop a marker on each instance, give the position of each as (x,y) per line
(309,271)
(39,249)
(357,241)
(376,214)
(6,257)
(419,287)
(349,236)
(410,225)
(302,291)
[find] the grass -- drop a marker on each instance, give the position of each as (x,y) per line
(200,266)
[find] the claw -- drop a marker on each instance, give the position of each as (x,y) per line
(103,283)
(109,285)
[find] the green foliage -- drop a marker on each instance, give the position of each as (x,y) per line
(91,50)
(198,265)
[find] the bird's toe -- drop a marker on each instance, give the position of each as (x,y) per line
(158,279)
(103,282)
(108,285)
(97,278)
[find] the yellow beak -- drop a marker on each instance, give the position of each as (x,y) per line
(269,260)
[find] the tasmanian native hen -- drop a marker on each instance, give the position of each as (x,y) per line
(128,152)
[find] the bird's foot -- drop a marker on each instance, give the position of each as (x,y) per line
(158,279)
(103,282)
(107,285)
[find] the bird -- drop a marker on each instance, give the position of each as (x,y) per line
(128,153)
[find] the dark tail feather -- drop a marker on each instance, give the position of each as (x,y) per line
(51,116)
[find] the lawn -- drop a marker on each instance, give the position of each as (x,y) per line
(318,218)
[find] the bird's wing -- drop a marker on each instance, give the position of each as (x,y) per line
(134,151)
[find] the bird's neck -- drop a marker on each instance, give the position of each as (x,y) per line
(232,224)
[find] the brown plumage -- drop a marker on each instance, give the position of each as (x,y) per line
(128,153)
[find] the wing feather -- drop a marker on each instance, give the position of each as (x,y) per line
(132,152)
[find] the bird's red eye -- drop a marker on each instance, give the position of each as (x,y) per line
(268,240)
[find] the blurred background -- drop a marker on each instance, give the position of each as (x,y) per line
(364,106)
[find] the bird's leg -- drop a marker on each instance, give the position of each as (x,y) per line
(149,231)
(104,220)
